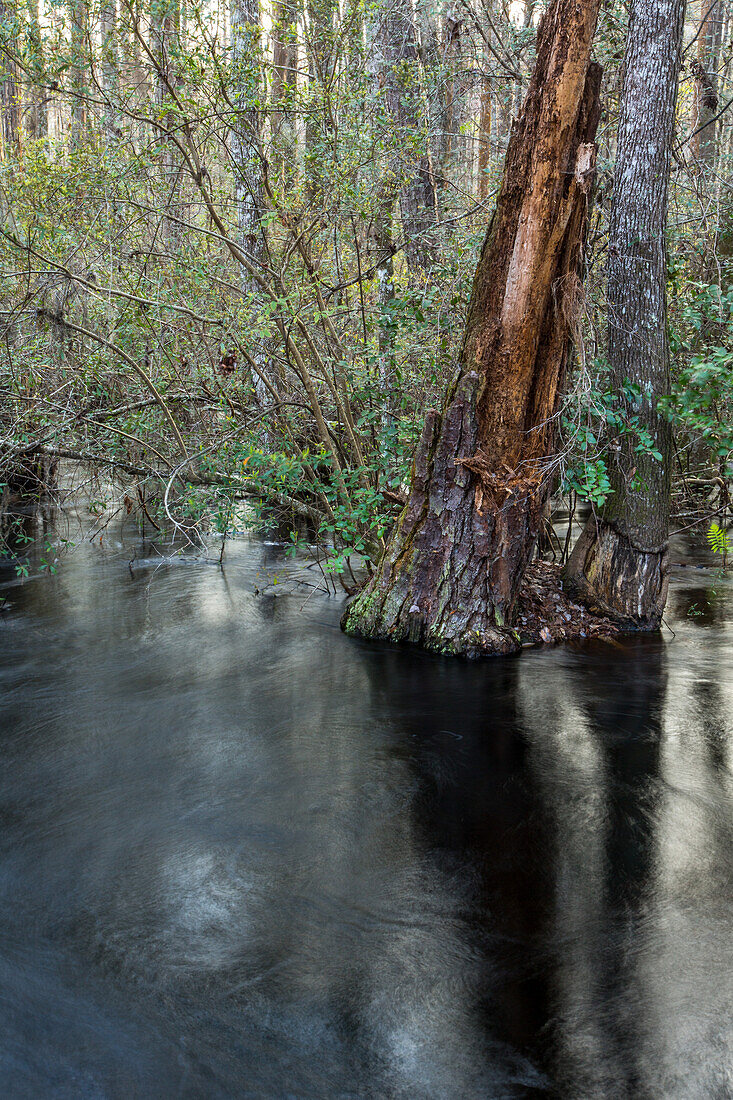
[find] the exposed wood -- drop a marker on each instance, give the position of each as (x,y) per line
(451,571)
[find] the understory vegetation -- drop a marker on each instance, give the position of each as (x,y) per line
(237,248)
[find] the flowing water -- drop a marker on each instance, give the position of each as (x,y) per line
(244,856)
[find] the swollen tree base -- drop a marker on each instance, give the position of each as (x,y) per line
(545,614)
(453,552)
(614,578)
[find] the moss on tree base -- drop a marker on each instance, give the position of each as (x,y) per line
(545,614)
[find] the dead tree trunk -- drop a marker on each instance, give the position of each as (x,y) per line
(449,577)
(619,565)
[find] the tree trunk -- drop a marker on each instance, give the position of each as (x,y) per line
(79,65)
(428,15)
(110,64)
(408,158)
(164,28)
(705,70)
(244,146)
(38,126)
(319,119)
(484,134)
(9,100)
(284,87)
(449,577)
(619,565)
(386,337)
(455,98)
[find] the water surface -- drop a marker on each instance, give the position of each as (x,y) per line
(244,856)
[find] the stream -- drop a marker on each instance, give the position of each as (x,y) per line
(243,856)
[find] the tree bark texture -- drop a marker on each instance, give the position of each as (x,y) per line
(79,63)
(245,151)
(9,98)
(705,70)
(284,84)
(619,565)
(110,62)
(396,60)
(449,577)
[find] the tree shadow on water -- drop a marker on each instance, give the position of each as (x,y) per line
(550,858)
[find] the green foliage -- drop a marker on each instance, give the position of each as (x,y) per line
(719,540)
(595,421)
(132,229)
(702,401)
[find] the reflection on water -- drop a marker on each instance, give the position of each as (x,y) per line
(243,856)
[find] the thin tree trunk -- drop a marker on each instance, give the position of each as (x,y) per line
(454,97)
(320,48)
(244,147)
(451,572)
(704,141)
(9,101)
(108,32)
(134,75)
(382,231)
(284,86)
(38,127)
(164,27)
(399,74)
(484,135)
(385,302)
(79,60)
(620,563)
(427,21)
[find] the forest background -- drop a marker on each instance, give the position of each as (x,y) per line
(237,247)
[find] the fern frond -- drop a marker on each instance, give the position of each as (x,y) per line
(718,540)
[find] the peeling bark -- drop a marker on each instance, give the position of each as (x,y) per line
(450,574)
(620,562)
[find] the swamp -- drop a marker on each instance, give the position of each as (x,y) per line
(366,613)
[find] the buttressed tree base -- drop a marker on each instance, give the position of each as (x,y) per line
(450,575)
